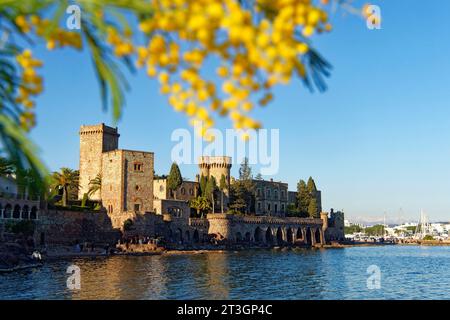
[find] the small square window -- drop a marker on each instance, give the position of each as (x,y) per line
(137,207)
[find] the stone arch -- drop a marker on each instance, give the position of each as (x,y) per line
(179,235)
(7,212)
(279,235)
(317,236)
(196,236)
(289,236)
(299,234)
(258,235)
(187,236)
(308,238)
(248,237)
(25,212)
(238,237)
(269,236)
(16,212)
(33,213)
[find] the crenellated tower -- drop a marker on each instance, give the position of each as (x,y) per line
(94,140)
(216,167)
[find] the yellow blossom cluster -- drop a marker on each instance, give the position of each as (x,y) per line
(31,85)
(56,37)
(254,54)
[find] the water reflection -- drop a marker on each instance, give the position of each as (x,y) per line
(302,274)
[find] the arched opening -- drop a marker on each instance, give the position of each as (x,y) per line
(317,236)
(299,235)
(308,236)
(280,236)
(16,212)
(258,234)
(25,212)
(1,207)
(289,236)
(196,236)
(33,213)
(179,235)
(238,237)
(269,236)
(187,236)
(7,212)
(248,237)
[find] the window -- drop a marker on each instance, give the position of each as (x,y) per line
(137,188)
(110,208)
(161,188)
(268,207)
(137,207)
(138,166)
(276,194)
(183,191)
(282,208)
(268,193)
(259,206)
(276,208)
(282,194)
(259,192)
(191,192)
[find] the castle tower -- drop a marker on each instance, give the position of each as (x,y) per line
(216,167)
(94,140)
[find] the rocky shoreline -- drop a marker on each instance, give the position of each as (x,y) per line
(15,256)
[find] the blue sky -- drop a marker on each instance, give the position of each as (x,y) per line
(376,141)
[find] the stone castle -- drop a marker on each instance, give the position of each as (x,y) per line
(130,192)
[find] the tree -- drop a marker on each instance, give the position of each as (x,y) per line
(95,185)
(175,180)
(245,171)
(211,187)
(303,198)
(223,186)
(200,204)
(108,37)
(313,210)
(242,196)
(67,181)
(259,176)
(311,186)
(203,182)
(28,182)
(6,167)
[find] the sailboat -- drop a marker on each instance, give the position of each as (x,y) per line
(423,227)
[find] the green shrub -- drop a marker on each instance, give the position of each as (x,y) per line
(25,227)
(127,224)
(428,237)
(84,200)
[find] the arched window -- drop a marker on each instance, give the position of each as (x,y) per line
(161,188)
(16,212)
(33,213)
(275,193)
(7,211)
(183,191)
(25,212)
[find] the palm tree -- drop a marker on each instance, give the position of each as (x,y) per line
(6,167)
(200,204)
(95,185)
(67,180)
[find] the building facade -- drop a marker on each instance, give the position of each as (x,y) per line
(271,198)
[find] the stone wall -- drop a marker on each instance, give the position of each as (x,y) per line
(57,227)
(267,229)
